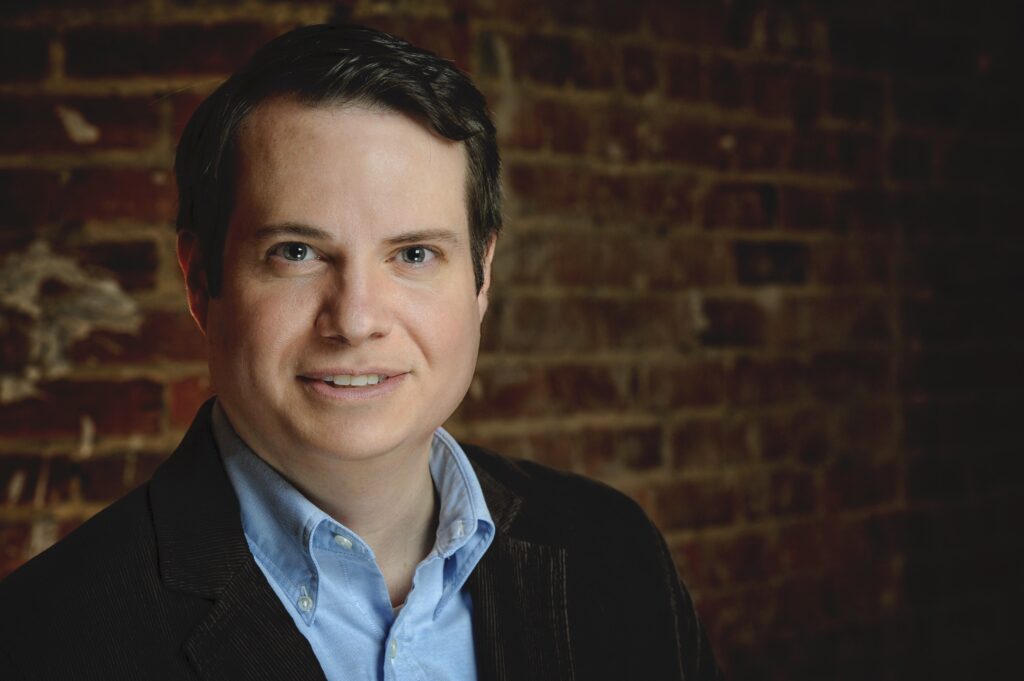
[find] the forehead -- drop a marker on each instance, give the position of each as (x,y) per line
(336,163)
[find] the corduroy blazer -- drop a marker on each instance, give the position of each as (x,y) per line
(577,584)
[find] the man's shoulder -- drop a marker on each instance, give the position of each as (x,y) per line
(564,505)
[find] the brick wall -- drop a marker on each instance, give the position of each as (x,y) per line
(761,272)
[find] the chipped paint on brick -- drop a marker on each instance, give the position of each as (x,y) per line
(60,304)
(79,130)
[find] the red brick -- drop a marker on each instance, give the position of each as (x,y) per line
(728,561)
(730,84)
(28,197)
(847,154)
(115,407)
(183,105)
(785,91)
(24,55)
(163,337)
(610,451)
(586,324)
(740,205)
(543,59)
(850,263)
(778,493)
(695,504)
(856,98)
(699,444)
(685,75)
(16,344)
(763,149)
(733,323)
(112,194)
(696,383)
(867,428)
(807,209)
(14,542)
(639,70)
(770,262)
(184,399)
(133,263)
(511,392)
(754,381)
(549,124)
(800,437)
(701,23)
(167,50)
(695,142)
(855,484)
(834,321)
(34,124)
(605,14)
(559,450)
(851,375)
(19,474)
(864,210)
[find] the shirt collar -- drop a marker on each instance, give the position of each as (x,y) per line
(280,522)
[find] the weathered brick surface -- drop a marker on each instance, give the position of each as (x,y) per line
(761,272)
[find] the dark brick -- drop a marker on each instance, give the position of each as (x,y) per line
(855,484)
(447,36)
(851,376)
(24,55)
(622,450)
(28,197)
(787,92)
(115,407)
(522,391)
(728,561)
(711,443)
(694,504)
(695,142)
(685,75)
(16,345)
(698,383)
(112,194)
(965,371)
(961,319)
(733,323)
(778,493)
(163,337)
(729,84)
(549,124)
(185,397)
(771,262)
(933,479)
(856,99)
(544,59)
(801,436)
(14,542)
(585,324)
(923,104)
(754,381)
(850,263)
(603,14)
(639,71)
(910,159)
(19,474)
(133,263)
(34,124)
(741,205)
(984,164)
(808,209)
(760,150)
(699,23)
(166,50)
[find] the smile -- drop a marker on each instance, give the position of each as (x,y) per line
(355,380)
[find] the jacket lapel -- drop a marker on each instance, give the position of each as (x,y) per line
(520,620)
(247,634)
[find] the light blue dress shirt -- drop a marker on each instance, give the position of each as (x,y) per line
(329,581)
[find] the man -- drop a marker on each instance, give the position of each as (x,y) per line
(339,206)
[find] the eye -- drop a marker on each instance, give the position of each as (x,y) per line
(416,255)
(294,251)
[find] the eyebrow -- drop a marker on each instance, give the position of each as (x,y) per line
(295,229)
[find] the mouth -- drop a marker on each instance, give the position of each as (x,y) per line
(354,380)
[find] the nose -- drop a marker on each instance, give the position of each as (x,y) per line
(354,307)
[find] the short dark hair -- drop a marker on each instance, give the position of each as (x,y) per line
(327,65)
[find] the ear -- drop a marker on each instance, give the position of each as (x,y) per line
(481,297)
(190,260)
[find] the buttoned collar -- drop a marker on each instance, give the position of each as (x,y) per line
(285,530)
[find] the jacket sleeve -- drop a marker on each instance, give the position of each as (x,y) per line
(695,657)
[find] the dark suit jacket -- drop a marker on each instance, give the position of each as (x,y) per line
(161,585)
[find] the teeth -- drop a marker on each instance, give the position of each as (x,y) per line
(355,381)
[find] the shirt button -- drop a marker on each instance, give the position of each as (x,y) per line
(305,603)
(342,541)
(394,648)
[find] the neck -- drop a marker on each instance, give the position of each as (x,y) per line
(389,501)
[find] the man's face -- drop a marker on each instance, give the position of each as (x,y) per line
(347,256)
